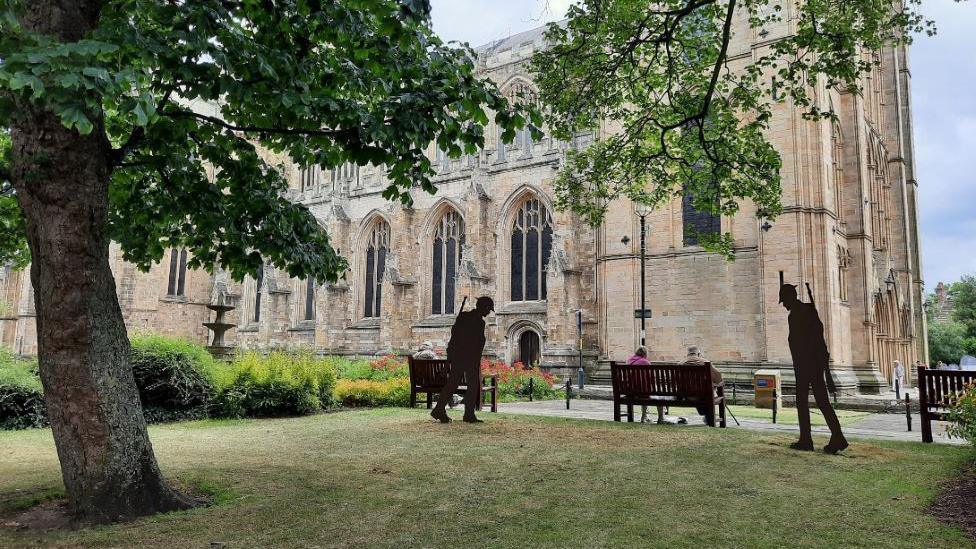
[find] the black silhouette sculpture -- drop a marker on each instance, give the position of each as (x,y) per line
(810,364)
(464,351)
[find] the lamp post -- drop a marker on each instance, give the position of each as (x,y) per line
(642,210)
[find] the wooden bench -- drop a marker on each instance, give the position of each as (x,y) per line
(666,385)
(429,376)
(935,390)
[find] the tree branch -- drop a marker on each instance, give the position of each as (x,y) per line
(117,156)
(258,129)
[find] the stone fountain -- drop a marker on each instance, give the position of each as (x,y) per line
(219,327)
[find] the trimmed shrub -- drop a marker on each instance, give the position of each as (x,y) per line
(368,392)
(21,394)
(175,377)
(279,384)
(962,415)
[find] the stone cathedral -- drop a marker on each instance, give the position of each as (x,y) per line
(849,229)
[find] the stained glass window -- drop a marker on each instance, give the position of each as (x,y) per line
(531,247)
(448,239)
(377,245)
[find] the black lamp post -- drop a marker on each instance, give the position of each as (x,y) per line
(642,210)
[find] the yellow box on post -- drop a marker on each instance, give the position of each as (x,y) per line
(765,382)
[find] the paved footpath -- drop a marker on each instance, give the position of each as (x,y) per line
(876,426)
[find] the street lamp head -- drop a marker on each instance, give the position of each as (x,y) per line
(642,209)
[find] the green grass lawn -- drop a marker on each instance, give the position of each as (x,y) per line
(393,478)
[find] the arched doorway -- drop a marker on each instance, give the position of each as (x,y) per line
(529,348)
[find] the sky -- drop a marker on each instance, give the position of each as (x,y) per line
(943,70)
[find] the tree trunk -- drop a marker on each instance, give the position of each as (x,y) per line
(61,178)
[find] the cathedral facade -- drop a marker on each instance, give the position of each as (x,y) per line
(565,291)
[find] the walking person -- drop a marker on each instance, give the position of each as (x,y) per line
(464,350)
(810,365)
(898,376)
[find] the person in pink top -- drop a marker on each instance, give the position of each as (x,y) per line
(640,358)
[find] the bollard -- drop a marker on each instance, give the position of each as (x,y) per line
(531,388)
(569,391)
(908,411)
(898,389)
(774,405)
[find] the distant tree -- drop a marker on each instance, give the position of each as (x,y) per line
(947,342)
(683,117)
(112,135)
(964,303)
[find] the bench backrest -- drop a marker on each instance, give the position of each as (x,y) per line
(684,380)
(937,387)
(430,373)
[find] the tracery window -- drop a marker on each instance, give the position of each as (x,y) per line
(177,273)
(377,246)
(531,247)
(448,239)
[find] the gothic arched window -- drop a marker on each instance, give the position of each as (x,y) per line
(448,239)
(531,246)
(377,245)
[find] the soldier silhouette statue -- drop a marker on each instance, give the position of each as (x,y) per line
(464,351)
(810,365)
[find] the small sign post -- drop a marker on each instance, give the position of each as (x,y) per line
(580,374)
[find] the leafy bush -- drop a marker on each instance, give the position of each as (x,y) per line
(378,369)
(367,392)
(962,415)
(513,381)
(21,394)
(175,377)
(279,384)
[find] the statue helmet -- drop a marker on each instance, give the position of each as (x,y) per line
(485,303)
(787,292)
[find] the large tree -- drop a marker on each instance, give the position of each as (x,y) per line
(686,119)
(112,134)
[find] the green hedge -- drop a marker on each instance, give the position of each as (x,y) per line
(279,384)
(368,392)
(21,395)
(175,377)
(178,380)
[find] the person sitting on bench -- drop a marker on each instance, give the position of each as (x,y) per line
(696,358)
(640,358)
(426,351)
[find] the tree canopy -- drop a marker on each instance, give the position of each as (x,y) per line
(319,83)
(964,303)
(684,117)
